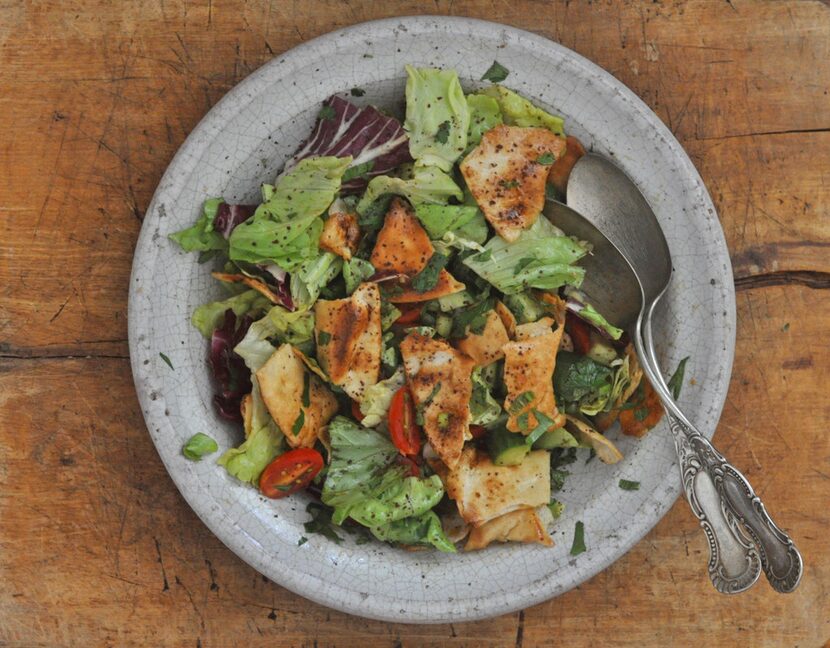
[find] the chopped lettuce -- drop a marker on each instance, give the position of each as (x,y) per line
(208,317)
(518,111)
(312,276)
(437,117)
(534,260)
(294,327)
(440,219)
(355,272)
(378,397)
(397,498)
(423,529)
(419,185)
(484,409)
(198,446)
(484,115)
(377,142)
(201,236)
(285,229)
(579,305)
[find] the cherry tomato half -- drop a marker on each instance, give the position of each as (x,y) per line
(402,426)
(477,431)
(580,333)
(409,315)
(410,464)
(290,472)
(356,413)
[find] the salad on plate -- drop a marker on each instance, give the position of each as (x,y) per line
(403,334)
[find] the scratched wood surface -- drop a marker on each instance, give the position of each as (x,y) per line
(96,545)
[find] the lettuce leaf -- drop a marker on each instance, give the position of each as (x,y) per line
(440,219)
(286,228)
(518,111)
(534,260)
(294,327)
(355,272)
(423,185)
(378,397)
(201,236)
(209,317)
(437,117)
(376,142)
(578,304)
(484,409)
(484,115)
(312,276)
(397,499)
(422,529)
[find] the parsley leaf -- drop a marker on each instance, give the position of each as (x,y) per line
(546,158)
(508,184)
(166,360)
(302,541)
(323,337)
(306,391)
(443,132)
(320,522)
(578,545)
(357,92)
(357,171)
(326,113)
(676,381)
(298,423)
(427,278)
(628,485)
(495,73)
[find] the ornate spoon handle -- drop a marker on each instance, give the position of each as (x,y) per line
(741,533)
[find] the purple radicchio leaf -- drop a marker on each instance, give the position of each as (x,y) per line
(229,216)
(365,133)
(229,371)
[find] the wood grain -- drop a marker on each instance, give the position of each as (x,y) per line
(96,545)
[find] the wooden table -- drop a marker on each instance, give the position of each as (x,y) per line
(96,545)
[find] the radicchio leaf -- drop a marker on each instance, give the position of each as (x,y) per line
(376,142)
(229,370)
(229,216)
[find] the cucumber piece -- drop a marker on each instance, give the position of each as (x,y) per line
(558,438)
(443,325)
(601,352)
(524,307)
(456,300)
(506,448)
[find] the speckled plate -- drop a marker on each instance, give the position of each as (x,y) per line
(244,140)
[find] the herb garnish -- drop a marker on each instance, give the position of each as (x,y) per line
(443,132)
(508,184)
(427,278)
(306,391)
(323,337)
(419,409)
(302,541)
(676,381)
(298,423)
(628,485)
(546,158)
(578,545)
(327,113)
(167,361)
(496,73)
(320,522)
(198,446)
(357,92)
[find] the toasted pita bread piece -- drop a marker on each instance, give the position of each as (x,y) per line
(341,234)
(282,381)
(524,525)
(506,179)
(403,247)
(487,346)
(484,491)
(348,333)
(439,379)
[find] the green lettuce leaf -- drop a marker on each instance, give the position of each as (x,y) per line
(484,115)
(418,185)
(484,409)
(312,276)
(518,111)
(285,229)
(208,317)
(534,260)
(378,397)
(294,327)
(437,117)
(201,237)
(355,272)
(398,499)
(440,219)
(424,529)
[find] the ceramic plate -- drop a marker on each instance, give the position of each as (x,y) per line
(243,142)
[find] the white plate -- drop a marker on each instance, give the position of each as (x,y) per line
(243,142)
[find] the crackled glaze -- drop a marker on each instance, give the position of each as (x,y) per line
(244,140)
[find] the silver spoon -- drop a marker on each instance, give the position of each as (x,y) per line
(625,276)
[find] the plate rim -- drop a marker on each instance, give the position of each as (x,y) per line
(311,587)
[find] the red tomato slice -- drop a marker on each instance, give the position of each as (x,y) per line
(580,333)
(409,463)
(290,472)
(477,431)
(402,426)
(356,413)
(409,316)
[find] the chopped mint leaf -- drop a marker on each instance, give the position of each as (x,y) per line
(166,360)
(626,484)
(320,522)
(302,541)
(496,73)
(198,446)
(323,337)
(676,381)
(357,92)
(427,278)
(327,113)
(578,545)
(298,423)
(443,132)
(306,390)
(358,171)
(546,158)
